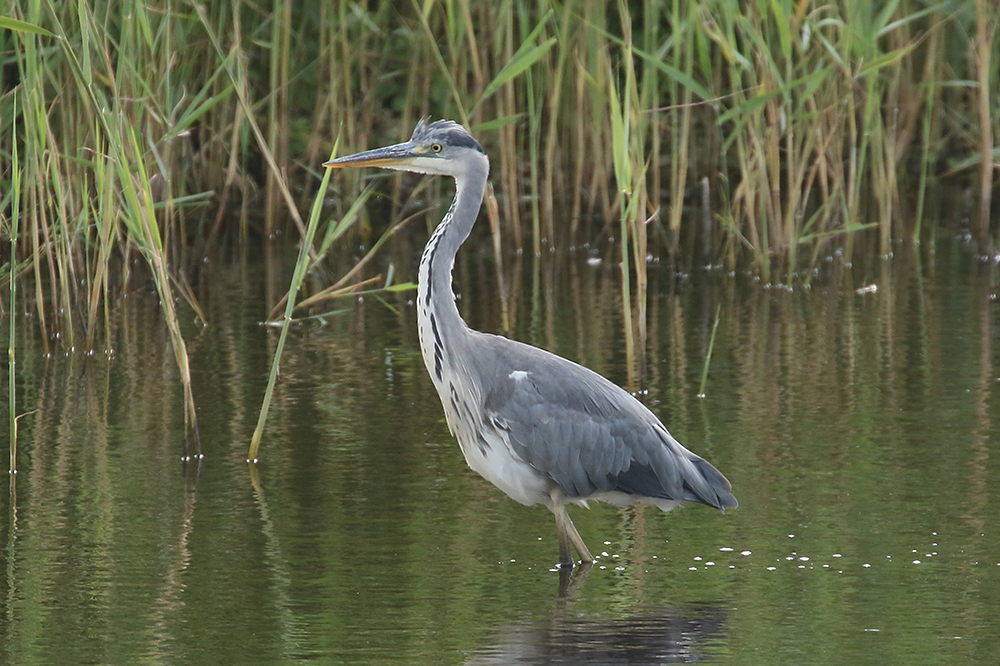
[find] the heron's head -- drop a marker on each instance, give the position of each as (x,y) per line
(442,147)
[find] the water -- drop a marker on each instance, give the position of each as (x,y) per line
(858,430)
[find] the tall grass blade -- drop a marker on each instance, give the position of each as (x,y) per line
(443,67)
(525,57)
(655,60)
(142,220)
(298,276)
(335,231)
(23,26)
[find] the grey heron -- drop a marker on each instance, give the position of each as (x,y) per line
(543,429)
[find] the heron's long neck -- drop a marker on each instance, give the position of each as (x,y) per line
(439,321)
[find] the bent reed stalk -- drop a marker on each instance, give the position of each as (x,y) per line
(139,125)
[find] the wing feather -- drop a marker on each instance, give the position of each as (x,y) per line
(586,433)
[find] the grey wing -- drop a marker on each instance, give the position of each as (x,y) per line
(590,436)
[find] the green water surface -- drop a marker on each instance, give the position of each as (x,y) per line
(859,432)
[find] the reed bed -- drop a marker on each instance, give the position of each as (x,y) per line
(159,130)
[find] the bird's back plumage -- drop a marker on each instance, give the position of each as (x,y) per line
(587,434)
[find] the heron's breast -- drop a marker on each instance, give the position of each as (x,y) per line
(487,449)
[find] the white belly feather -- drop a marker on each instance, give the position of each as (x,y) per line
(487,450)
(497,463)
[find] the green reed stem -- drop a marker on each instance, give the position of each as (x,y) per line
(298,276)
(623,177)
(680,126)
(986,28)
(277,126)
(12,304)
(708,356)
(930,94)
(534,137)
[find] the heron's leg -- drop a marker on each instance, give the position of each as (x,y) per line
(577,540)
(567,533)
(565,556)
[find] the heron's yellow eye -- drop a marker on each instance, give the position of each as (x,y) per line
(436,147)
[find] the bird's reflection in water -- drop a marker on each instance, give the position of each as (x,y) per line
(665,635)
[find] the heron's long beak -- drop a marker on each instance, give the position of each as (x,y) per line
(395,156)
